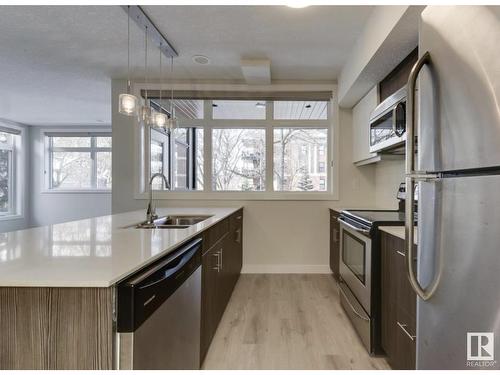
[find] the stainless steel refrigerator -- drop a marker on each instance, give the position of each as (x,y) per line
(454,118)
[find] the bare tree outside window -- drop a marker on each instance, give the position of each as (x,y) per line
(238,159)
(297,158)
(80,162)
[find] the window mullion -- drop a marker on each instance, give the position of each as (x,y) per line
(207,159)
(93,158)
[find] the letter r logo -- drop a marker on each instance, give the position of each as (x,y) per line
(480,346)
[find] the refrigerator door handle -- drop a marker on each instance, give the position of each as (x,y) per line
(411,176)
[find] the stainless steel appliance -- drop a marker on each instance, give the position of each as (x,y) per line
(388,124)
(159,310)
(458,171)
(359,268)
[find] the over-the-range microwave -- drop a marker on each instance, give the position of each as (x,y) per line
(388,124)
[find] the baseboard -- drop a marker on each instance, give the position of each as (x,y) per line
(286,268)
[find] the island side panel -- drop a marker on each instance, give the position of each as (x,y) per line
(56,328)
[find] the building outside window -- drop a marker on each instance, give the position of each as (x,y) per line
(241,136)
(78,161)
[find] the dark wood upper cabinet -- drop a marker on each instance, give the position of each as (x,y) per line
(398,305)
(398,77)
(334,242)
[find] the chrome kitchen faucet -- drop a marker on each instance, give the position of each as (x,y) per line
(151,215)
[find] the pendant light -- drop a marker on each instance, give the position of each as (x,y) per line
(159,118)
(127,103)
(172,121)
(145,113)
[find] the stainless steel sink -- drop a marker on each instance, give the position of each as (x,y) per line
(173,222)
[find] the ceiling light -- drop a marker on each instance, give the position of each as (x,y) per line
(127,103)
(260,105)
(172,120)
(160,118)
(201,59)
(298,4)
(146,114)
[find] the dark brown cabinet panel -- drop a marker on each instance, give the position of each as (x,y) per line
(221,268)
(334,242)
(398,305)
(209,300)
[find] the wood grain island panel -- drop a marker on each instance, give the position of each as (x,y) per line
(56,328)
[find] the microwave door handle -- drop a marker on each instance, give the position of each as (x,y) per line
(411,177)
(366,231)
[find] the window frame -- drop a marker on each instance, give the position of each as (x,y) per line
(208,124)
(18,170)
(12,185)
(48,134)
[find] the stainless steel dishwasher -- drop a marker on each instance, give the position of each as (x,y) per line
(158,314)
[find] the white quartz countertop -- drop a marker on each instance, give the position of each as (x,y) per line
(398,232)
(96,252)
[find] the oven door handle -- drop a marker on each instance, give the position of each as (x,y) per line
(365,231)
(356,312)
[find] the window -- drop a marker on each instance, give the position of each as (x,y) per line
(7,178)
(178,154)
(293,159)
(238,159)
(79,161)
(269,148)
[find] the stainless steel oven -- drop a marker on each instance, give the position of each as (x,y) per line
(356,260)
(388,124)
(355,285)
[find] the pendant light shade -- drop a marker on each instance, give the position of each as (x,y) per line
(128,103)
(160,119)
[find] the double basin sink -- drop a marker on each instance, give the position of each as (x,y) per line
(173,222)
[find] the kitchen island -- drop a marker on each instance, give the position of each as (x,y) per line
(57,283)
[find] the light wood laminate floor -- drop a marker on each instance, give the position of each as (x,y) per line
(287,322)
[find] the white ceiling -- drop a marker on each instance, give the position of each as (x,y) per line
(57,62)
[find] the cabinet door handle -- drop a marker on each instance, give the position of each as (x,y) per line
(220,252)
(239,217)
(400,253)
(238,235)
(217,255)
(403,328)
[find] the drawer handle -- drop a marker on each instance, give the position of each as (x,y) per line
(217,255)
(403,327)
(239,217)
(352,307)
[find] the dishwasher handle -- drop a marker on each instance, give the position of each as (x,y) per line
(171,271)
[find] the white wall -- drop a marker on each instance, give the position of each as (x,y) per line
(51,207)
(279,236)
(388,175)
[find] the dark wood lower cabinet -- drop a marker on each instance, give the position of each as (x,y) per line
(398,306)
(221,268)
(334,242)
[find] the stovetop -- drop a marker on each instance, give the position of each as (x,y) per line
(377,216)
(372,219)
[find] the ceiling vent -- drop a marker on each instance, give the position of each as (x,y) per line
(256,72)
